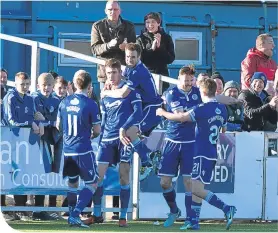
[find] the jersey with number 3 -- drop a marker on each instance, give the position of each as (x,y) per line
(78,114)
(210,117)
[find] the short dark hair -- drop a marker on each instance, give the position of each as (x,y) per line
(22,75)
(153,15)
(53,73)
(5,71)
(190,69)
(113,63)
(134,47)
(82,79)
(209,86)
(216,75)
(60,79)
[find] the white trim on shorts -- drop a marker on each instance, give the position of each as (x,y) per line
(109,139)
(171,140)
(162,174)
(74,154)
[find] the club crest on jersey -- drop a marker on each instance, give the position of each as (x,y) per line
(217,111)
(138,96)
(26,110)
(51,109)
(238,111)
(175,104)
(194,97)
(74,101)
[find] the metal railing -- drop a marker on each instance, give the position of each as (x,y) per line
(35,60)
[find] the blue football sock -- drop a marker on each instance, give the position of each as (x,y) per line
(142,150)
(170,197)
(72,198)
(212,199)
(195,212)
(97,197)
(188,202)
(84,198)
(124,197)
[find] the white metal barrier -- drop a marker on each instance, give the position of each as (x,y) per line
(35,58)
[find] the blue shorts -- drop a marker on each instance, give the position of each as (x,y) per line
(112,152)
(81,165)
(176,156)
(150,120)
(203,168)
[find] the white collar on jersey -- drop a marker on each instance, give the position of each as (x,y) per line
(206,99)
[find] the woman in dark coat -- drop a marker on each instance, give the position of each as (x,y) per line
(157,46)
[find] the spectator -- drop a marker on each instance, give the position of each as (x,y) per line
(157,46)
(60,88)
(201,77)
(19,111)
(259,108)
(109,37)
(47,105)
(259,59)
(235,111)
(217,77)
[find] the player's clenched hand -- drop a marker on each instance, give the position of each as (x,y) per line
(124,139)
(160,111)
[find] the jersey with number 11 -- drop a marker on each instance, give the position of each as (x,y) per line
(78,114)
(210,118)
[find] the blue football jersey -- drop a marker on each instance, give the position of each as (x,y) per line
(210,118)
(140,79)
(120,113)
(177,99)
(18,111)
(48,107)
(78,114)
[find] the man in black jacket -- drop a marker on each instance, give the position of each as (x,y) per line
(259,107)
(109,37)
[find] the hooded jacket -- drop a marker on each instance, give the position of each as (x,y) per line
(157,60)
(256,61)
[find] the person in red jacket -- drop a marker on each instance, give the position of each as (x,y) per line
(259,59)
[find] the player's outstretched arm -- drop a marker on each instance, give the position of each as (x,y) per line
(177,116)
(227,100)
(117,93)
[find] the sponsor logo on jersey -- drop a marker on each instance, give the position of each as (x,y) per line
(26,110)
(175,104)
(113,104)
(74,101)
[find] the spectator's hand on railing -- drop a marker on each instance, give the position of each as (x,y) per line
(41,129)
(39,117)
(35,128)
